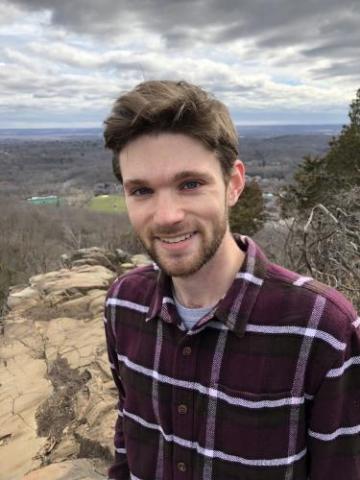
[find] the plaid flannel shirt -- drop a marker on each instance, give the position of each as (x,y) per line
(265,387)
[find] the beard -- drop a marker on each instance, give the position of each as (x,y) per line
(179,265)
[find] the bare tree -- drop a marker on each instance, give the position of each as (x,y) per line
(326,244)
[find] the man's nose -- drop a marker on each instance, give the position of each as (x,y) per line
(168,210)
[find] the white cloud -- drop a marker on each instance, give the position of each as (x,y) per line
(275,57)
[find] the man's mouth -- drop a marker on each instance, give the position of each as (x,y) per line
(177,239)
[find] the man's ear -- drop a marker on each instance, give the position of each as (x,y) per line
(236,183)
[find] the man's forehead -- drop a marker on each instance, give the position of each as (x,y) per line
(164,144)
(169,157)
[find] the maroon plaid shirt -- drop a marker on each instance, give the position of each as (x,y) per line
(265,387)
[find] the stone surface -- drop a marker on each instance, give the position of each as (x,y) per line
(128,265)
(70,470)
(122,255)
(140,259)
(63,284)
(91,256)
(24,387)
(23,297)
(57,397)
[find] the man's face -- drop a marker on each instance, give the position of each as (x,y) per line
(177,200)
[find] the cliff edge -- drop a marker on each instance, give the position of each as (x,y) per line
(57,396)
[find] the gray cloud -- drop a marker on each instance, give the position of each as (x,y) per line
(212,20)
(341,69)
(256,55)
(319,28)
(343,47)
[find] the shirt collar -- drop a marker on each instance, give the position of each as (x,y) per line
(235,307)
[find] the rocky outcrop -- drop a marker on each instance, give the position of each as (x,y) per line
(57,397)
(74,470)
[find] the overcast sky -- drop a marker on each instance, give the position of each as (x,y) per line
(63,62)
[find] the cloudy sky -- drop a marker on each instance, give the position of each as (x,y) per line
(62,62)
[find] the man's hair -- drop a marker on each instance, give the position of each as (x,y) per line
(155,107)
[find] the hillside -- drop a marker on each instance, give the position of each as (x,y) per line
(73,165)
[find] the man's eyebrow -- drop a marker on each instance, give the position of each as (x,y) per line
(191,174)
(134,182)
(183,175)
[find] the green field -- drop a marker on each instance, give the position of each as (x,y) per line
(108,204)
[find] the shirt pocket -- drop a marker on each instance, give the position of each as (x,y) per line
(254,425)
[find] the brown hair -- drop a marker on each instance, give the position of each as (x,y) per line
(154,107)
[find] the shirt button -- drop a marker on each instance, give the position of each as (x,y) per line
(182,409)
(186,351)
(181,467)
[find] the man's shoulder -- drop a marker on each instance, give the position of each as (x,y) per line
(298,297)
(133,283)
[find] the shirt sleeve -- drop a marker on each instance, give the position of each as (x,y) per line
(119,470)
(334,429)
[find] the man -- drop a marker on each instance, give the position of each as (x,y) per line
(227,366)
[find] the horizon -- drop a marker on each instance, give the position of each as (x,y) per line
(244,131)
(255,125)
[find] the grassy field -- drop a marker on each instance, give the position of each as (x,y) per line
(108,204)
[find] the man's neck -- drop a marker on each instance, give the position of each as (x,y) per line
(210,284)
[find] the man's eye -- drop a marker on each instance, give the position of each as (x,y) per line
(191,185)
(139,192)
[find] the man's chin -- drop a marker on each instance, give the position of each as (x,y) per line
(180,267)
(182,264)
(179,272)
(173,268)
